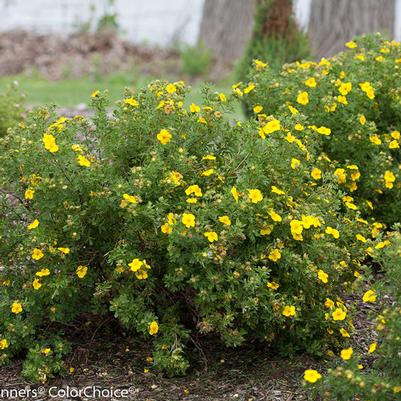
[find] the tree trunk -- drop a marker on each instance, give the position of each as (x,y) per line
(226,28)
(335,22)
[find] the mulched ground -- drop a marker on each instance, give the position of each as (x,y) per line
(104,356)
(244,374)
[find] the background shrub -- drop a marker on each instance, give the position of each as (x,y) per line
(355,94)
(374,372)
(196,60)
(276,39)
(176,222)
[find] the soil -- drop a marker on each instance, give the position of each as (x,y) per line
(57,57)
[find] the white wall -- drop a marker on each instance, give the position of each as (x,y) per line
(157,21)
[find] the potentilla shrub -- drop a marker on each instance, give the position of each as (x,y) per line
(177,222)
(373,372)
(356,96)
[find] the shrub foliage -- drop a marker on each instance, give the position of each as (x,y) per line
(356,95)
(176,222)
(373,372)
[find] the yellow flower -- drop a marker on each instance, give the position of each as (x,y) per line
(211,236)
(188,220)
(209,157)
(372,348)
(383,244)
(171,88)
(389,179)
(46,351)
(16,308)
(369,296)
(257,109)
(66,251)
(360,238)
(81,271)
(29,193)
(36,284)
(299,127)
(95,94)
(332,231)
(296,227)
(141,275)
(249,88)
(324,131)
(153,328)
(135,265)
(316,174)
(346,354)
(289,310)
(273,285)
(395,135)
(328,303)
(131,101)
(368,89)
(351,45)
(323,277)
(311,82)
(164,137)
(225,220)
(259,65)
(33,225)
(83,161)
(345,88)
(309,221)
(303,98)
(275,255)
(234,193)
(339,314)
(341,175)
(128,199)
(362,119)
(271,126)
(277,191)
(50,143)
(176,177)
(312,376)
(76,148)
(254,195)
(266,230)
(166,228)
(3,343)
(194,108)
(222,97)
(295,163)
(208,172)
(43,273)
(393,145)
(275,216)
(194,189)
(37,254)
(375,139)
(344,333)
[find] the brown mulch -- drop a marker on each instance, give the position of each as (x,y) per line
(56,57)
(244,374)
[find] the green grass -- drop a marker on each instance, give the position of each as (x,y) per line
(71,92)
